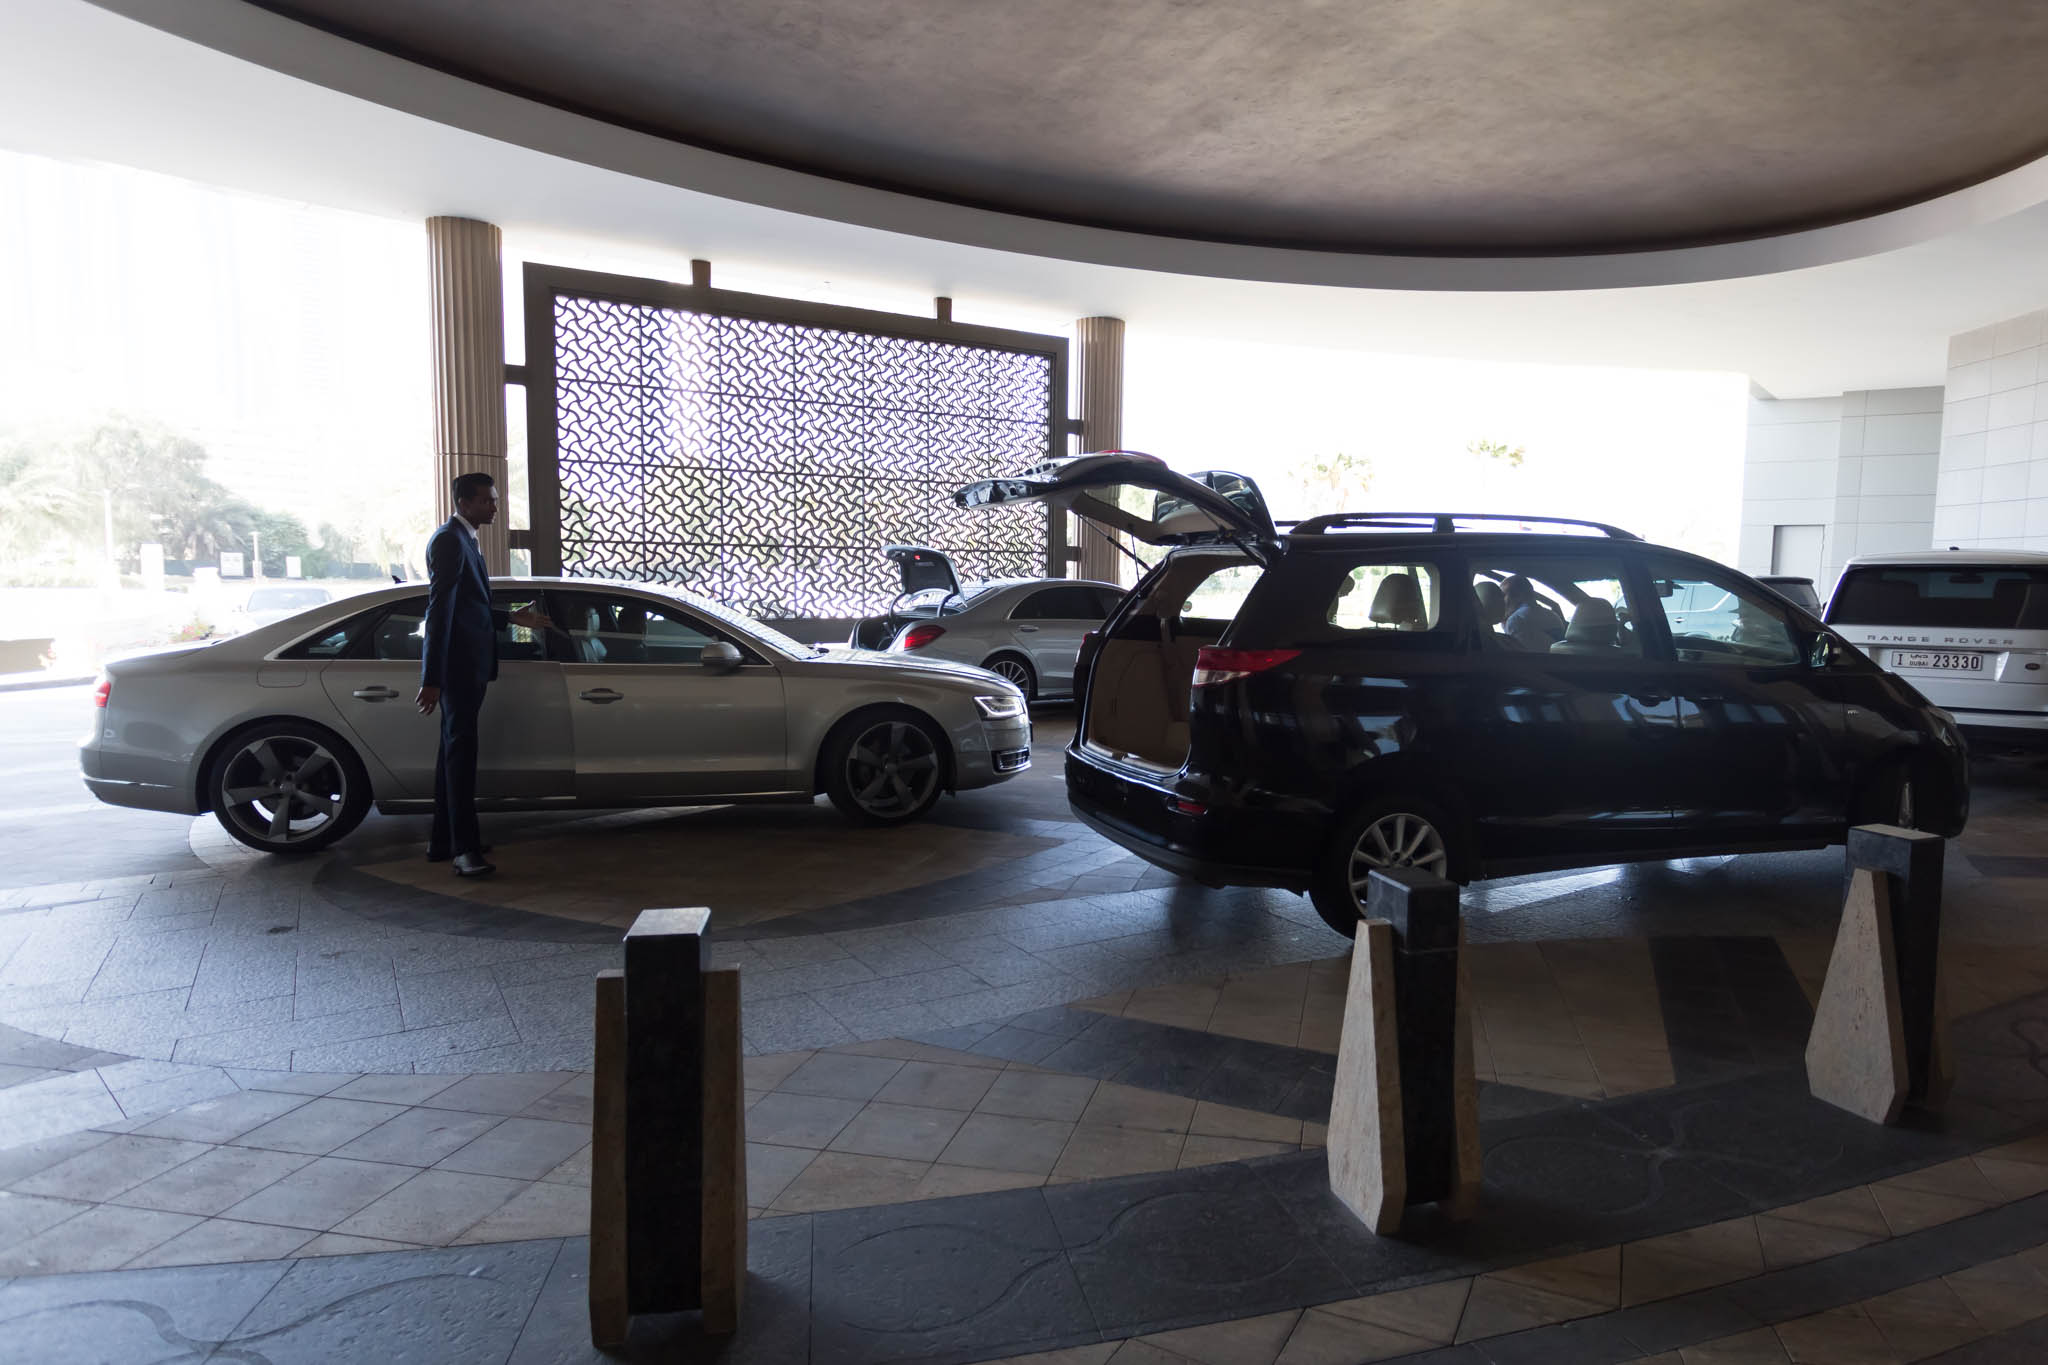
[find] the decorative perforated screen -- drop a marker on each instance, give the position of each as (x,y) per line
(764,462)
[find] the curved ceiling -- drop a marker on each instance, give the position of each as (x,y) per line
(1452,127)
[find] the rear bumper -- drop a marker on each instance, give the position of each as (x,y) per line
(1210,847)
(1991,731)
(1182,861)
(142,796)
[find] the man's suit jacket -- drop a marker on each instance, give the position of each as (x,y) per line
(461,652)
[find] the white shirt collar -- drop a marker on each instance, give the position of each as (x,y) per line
(466,526)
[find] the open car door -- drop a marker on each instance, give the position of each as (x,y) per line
(1138,495)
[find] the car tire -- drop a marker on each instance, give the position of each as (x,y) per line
(1016,669)
(1415,832)
(885,766)
(323,788)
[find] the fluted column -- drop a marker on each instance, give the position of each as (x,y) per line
(468,289)
(1099,389)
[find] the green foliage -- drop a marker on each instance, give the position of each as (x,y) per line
(1498,450)
(1335,483)
(58,496)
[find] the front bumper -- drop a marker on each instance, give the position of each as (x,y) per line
(1000,751)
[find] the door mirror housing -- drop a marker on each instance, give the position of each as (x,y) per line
(1825,651)
(721,657)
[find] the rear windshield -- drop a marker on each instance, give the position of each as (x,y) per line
(1980,597)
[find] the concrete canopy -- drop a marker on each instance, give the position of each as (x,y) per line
(1495,127)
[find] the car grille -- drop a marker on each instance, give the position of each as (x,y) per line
(1012,760)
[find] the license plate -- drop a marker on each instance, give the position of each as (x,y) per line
(1938,662)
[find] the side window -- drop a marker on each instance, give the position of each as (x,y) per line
(1387,597)
(628,630)
(1564,606)
(1108,600)
(1213,603)
(517,642)
(331,644)
(1714,618)
(1059,604)
(402,633)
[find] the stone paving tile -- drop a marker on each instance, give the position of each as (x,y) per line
(841,1076)
(450,997)
(23,1216)
(503,1093)
(406,1048)
(224,1118)
(220,1240)
(418,1137)
(537,1211)
(321,1193)
(320,1125)
(521,1148)
(19,1161)
(906,1132)
(212,1181)
(550,1009)
(238,1046)
(334,1244)
(399,1089)
(311,1083)
(434,1207)
(789,1120)
(100,1238)
(110,1168)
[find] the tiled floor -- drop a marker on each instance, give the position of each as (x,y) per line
(289,1101)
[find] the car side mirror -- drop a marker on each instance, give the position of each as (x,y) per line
(1824,651)
(721,657)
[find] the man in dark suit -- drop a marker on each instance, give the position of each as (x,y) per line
(459,661)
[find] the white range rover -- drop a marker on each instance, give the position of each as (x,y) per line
(1968,628)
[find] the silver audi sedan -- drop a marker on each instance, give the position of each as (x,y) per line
(641,696)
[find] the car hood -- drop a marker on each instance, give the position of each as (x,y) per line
(856,661)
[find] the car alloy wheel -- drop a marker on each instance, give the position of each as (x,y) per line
(1012,670)
(284,790)
(892,770)
(1397,839)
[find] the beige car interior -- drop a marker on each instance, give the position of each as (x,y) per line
(1139,691)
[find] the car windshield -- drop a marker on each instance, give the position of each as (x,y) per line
(936,602)
(286,599)
(1965,596)
(745,625)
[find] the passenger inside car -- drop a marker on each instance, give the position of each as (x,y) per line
(1531,622)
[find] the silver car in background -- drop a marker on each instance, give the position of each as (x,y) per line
(1026,630)
(643,696)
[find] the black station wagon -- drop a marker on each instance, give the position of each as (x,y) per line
(1448,692)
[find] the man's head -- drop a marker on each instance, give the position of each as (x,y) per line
(476,498)
(1518,591)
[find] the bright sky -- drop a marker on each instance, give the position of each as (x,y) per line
(1654,452)
(292,340)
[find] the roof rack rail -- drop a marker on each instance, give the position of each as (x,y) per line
(1439,523)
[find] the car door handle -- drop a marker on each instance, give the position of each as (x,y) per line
(379,693)
(1027,628)
(603,696)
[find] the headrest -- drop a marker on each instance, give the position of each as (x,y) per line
(1593,623)
(1398,601)
(1493,603)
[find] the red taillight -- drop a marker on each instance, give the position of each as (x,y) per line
(917,637)
(102,693)
(1181,805)
(1213,665)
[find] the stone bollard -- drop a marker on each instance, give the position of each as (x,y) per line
(1880,1032)
(1404,1114)
(668,1153)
